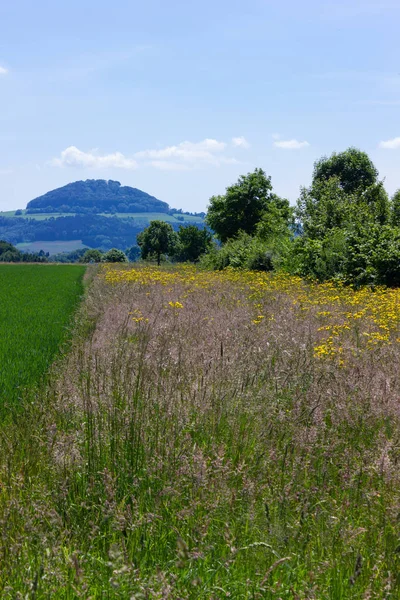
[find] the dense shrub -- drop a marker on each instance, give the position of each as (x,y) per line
(93,256)
(244,252)
(114,256)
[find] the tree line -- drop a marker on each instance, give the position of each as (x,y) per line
(344,227)
(8,253)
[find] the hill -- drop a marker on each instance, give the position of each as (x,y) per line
(93,213)
(96,196)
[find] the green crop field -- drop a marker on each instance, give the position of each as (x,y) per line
(36,305)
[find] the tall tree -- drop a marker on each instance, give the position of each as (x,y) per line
(395,209)
(242,206)
(192,243)
(345,190)
(353,169)
(157,239)
(345,219)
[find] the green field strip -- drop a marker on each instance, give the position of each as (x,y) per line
(36,307)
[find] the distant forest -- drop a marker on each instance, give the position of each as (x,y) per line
(96,196)
(95,231)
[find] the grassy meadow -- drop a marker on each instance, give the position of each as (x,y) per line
(209,435)
(36,303)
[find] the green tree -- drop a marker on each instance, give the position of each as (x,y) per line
(343,215)
(242,206)
(395,209)
(92,256)
(353,169)
(322,207)
(386,256)
(192,243)
(114,256)
(9,253)
(133,253)
(6,247)
(275,222)
(157,239)
(341,197)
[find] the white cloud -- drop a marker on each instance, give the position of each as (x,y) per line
(392,144)
(190,152)
(181,157)
(240,142)
(3,70)
(290,144)
(186,155)
(73,157)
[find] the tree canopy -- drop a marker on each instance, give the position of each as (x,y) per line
(348,223)
(344,191)
(353,169)
(192,243)
(395,209)
(114,256)
(9,253)
(91,256)
(157,239)
(243,205)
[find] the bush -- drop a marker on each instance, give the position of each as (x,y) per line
(115,256)
(386,257)
(244,252)
(321,259)
(93,256)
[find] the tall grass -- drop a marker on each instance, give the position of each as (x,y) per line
(195,444)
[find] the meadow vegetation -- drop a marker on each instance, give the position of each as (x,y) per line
(210,435)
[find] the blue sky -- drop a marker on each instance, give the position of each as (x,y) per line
(179,98)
